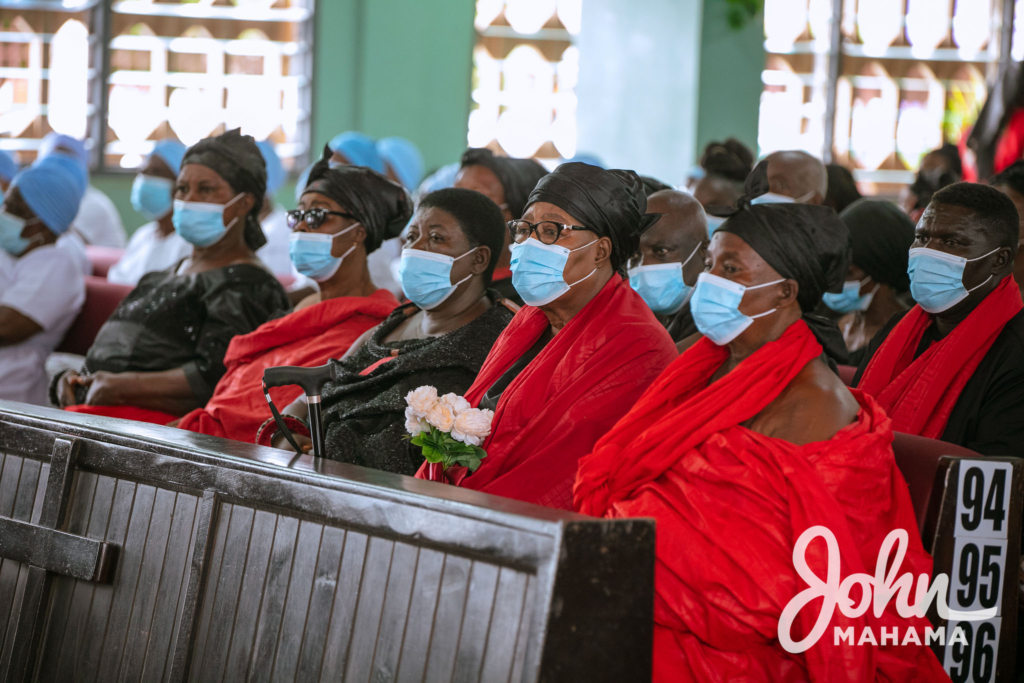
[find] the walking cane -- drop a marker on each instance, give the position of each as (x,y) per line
(312,381)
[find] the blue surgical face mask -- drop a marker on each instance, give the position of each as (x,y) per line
(937,278)
(714,223)
(850,299)
(199,223)
(426,277)
(152,196)
(715,306)
(538,271)
(311,254)
(773,198)
(661,285)
(11,240)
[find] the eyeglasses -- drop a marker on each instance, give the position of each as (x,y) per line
(548,232)
(313,218)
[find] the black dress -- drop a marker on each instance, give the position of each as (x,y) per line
(988,417)
(186,321)
(364,414)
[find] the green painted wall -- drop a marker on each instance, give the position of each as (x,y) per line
(385,67)
(731,63)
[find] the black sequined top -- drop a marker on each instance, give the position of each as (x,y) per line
(364,416)
(186,321)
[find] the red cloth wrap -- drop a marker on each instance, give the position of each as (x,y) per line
(306,338)
(125,413)
(585,379)
(501,274)
(730,504)
(919,395)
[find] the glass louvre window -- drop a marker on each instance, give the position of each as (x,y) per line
(876,84)
(525,68)
(178,69)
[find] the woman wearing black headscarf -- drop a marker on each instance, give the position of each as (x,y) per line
(343,215)
(576,358)
(877,284)
(161,353)
(508,183)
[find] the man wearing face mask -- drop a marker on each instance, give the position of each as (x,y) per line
(155,245)
(161,353)
(743,443)
(344,214)
(671,257)
(576,358)
(42,280)
(792,176)
(508,183)
(952,368)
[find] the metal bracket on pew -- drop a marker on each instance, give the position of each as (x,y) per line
(977,544)
(48,551)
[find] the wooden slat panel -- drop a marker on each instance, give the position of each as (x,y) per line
(396,611)
(261,542)
(368,609)
(505,620)
(339,633)
(422,607)
(275,592)
(10,571)
(450,605)
(522,640)
(321,602)
(307,547)
(476,622)
(212,583)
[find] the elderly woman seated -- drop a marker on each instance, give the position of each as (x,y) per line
(344,214)
(576,358)
(440,339)
(161,352)
(744,443)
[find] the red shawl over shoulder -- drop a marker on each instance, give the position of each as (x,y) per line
(587,377)
(920,394)
(307,337)
(730,504)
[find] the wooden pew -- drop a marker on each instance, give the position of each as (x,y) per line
(132,552)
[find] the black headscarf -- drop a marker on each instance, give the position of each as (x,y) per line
(805,243)
(518,176)
(881,235)
(381,206)
(236,159)
(652,185)
(612,203)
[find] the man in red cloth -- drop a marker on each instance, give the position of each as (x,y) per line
(586,346)
(952,367)
(344,214)
(744,443)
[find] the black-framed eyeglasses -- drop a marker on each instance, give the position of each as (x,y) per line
(313,218)
(547,232)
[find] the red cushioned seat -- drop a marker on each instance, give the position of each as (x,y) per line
(918,460)
(846,373)
(103,258)
(101,298)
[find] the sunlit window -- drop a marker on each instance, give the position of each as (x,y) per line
(525,68)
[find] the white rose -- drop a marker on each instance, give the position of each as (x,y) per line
(472,426)
(413,424)
(422,400)
(441,416)
(459,405)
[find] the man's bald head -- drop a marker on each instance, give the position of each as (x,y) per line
(680,234)
(798,175)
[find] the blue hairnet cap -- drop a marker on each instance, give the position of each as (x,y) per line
(300,184)
(71,146)
(275,171)
(404,158)
(439,179)
(359,149)
(171,151)
(53,188)
(8,166)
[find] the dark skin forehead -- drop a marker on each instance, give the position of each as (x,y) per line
(481,179)
(543,211)
(204,182)
(155,166)
(715,191)
(731,257)
(682,221)
(796,174)
(954,230)
(436,230)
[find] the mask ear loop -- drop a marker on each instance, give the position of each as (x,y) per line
(468,276)
(591,272)
(767,284)
(978,259)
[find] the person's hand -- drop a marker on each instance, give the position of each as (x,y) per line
(66,388)
(305,443)
(104,388)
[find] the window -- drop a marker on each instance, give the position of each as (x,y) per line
(525,68)
(184,69)
(878,84)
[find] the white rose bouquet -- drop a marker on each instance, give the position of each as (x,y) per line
(447,429)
